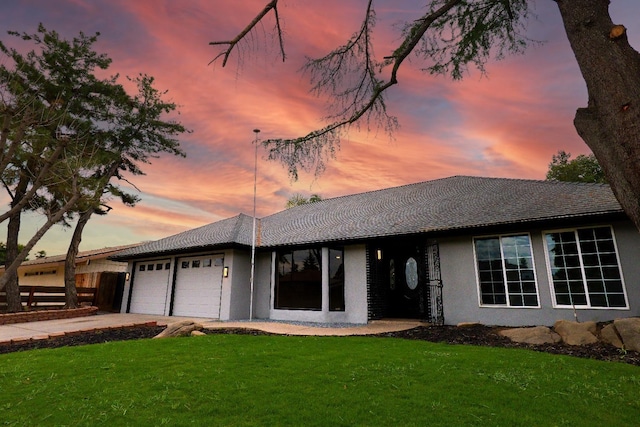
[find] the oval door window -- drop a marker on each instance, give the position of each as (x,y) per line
(411,273)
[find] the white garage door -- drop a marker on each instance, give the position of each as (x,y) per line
(149,287)
(198,286)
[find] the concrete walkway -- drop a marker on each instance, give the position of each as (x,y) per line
(52,328)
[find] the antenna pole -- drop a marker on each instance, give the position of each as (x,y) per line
(253,240)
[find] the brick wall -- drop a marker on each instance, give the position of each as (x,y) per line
(36,316)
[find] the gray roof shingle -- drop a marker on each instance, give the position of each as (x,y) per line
(454,203)
(236,230)
(444,204)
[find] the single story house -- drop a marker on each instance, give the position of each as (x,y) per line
(510,252)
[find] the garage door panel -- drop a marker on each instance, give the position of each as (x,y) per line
(149,287)
(198,286)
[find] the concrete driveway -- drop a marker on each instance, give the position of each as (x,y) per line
(52,328)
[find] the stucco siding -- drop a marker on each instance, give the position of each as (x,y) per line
(46,279)
(240,281)
(262,285)
(461,295)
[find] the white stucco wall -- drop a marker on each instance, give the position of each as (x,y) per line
(460,288)
(262,286)
(238,285)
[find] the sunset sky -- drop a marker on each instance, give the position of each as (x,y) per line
(506,124)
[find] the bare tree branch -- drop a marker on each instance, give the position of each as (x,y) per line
(272,5)
(451,34)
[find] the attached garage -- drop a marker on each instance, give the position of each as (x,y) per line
(198,287)
(150,287)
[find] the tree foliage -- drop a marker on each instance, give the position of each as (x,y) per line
(450,36)
(3,253)
(67,134)
(298,199)
(584,168)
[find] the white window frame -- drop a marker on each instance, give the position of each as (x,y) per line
(477,273)
(552,286)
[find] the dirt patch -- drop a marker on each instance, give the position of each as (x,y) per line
(472,335)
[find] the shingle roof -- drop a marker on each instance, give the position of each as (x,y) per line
(235,230)
(444,204)
(454,203)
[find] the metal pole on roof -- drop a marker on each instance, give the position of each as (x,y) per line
(253,240)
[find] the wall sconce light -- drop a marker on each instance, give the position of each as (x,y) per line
(379,254)
(225,272)
(127,276)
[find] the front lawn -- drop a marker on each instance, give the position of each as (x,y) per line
(277,380)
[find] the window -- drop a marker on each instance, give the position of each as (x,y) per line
(336,279)
(143,267)
(505,271)
(167,265)
(159,266)
(195,263)
(299,280)
(584,268)
(206,262)
(185,264)
(149,267)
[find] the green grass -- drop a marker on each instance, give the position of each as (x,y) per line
(273,380)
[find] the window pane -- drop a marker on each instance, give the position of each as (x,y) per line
(504,264)
(489,262)
(529,287)
(616,300)
(608,259)
(299,280)
(598,300)
(593,273)
(595,286)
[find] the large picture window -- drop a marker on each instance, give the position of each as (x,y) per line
(584,268)
(299,280)
(505,271)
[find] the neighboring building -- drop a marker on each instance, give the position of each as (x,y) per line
(496,251)
(93,270)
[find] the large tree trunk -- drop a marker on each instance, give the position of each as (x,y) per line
(70,292)
(610,124)
(12,267)
(12,288)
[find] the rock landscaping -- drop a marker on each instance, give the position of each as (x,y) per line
(622,333)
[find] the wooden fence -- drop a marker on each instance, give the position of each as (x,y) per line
(47,297)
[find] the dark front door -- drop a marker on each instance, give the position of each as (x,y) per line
(407,281)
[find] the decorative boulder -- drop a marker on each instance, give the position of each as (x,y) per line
(180,329)
(534,335)
(574,333)
(629,331)
(609,335)
(467,324)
